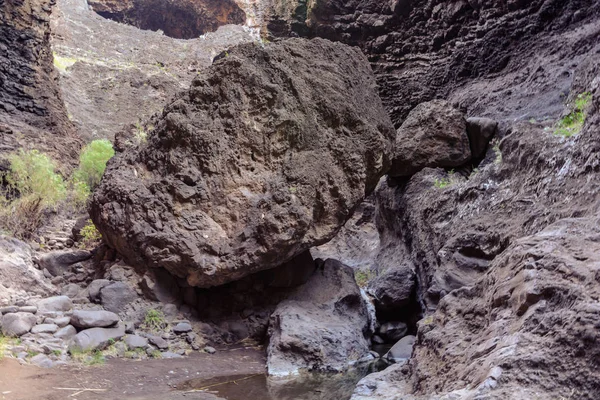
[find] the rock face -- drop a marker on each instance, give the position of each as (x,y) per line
(260,160)
(322,326)
(433,135)
(31,107)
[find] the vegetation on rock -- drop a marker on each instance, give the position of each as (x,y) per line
(572,123)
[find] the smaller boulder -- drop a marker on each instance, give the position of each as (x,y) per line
(393,331)
(41,360)
(94,289)
(480,132)
(393,289)
(96,338)
(116,296)
(17,324)
(44,328)
(93,319)
(57,303)
(433,135)
(402,350)
(66,333)
(59,262)
(9,309)
(182,327)
(159,342)
(71,290)
(134,342)
(28,309)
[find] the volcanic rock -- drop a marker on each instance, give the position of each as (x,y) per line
(265,159)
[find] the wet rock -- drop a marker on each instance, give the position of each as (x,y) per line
(480,131)
(402,350)
(321,326)
(393,331)
(96,338)
(17,324)
(57,303)
(44,328)
(60,262)
(116,296)
(292,191)
(66,333)
(94,289)
(133,342)
(92,319)
(433,135)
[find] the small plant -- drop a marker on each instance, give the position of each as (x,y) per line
(89,235)
(442,183)
(154,320)
(4,342)
(94,357)
(496,148)
(572,123)
(92,162)
(141,136)
(363,277)
(56,352)
(156,354)
(62,63)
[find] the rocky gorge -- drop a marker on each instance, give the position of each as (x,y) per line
(364,200)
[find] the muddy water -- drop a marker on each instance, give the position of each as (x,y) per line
(261,387)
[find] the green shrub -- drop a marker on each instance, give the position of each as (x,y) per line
(32,175)
(572,123)
(89,235)
(363,277)
(154,320)
(92,163)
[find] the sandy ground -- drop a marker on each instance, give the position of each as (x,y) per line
(125,379)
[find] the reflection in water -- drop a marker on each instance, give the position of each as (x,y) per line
(308,386)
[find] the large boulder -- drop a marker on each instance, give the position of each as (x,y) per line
(93,319)
(59,262)
(95,338)
(116,296)
(433,135)
(393,289)
(17,324)
(321,326)
(267,154)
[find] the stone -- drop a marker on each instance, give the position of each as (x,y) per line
(17,324)
(66,333)
(61,322)
(321,326)
(133,342)
(28,309)
(159,342)
(60,262)
(480,132)
(96,338)
(393,331)
(291,190)
(433,135)
(182,327)
(41,360)
(44,328)
(209,350)
(94,289)
(402,350)
(93,319)
(116,296)
(70,290)
(9,309)
(170,354)
(393,289)
(57,303)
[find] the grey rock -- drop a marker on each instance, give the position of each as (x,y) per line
(480,131)
(159,342)
(94,289)
(96,338)
(133,342)
(71,290)
(61,322)
(59,262)
(116,296)
(292,190)
(41,360)
(159,285)
(322,324)
(57,303)
(209,350)
(28,309)
(182,327)
(9,309)
(170,354)
(66,333)
(393,331)
(92,319)
(402,350)
(393,289)
(44,328)
(433,135)
(129,327)
(17,324)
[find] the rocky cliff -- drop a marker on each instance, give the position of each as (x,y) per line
(32,113)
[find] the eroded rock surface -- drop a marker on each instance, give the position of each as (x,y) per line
(321,326)
(260,160)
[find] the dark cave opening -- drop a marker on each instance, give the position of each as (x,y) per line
(180,19)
